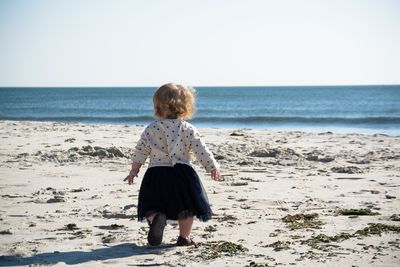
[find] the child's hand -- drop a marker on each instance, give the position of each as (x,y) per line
(215,175)
(132,174)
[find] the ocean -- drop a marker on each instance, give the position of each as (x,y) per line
(359,109)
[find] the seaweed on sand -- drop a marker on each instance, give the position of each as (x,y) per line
(214,249)
(254,264)
(301,221)
(357,212)
(227,217)
(377,229)
(279,245)
(322,242)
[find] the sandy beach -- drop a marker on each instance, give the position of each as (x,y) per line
(286,198)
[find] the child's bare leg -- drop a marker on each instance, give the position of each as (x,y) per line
(185,227)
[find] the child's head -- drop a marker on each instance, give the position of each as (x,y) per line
(173,101)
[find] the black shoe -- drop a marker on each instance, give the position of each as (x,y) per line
(185,242)
(156,231)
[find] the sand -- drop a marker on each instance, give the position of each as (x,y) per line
(286,198)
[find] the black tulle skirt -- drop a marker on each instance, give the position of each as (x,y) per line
(175,191)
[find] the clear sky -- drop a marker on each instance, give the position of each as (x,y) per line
(204,42)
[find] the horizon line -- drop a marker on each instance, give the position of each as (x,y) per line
(198,86)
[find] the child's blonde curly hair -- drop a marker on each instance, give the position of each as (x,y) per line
(173,101)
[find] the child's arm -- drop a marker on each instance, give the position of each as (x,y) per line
(142,151)
(203,154)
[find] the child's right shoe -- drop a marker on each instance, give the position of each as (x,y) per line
(156,231)
(185,242)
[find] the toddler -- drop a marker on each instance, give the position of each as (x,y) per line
(171,189)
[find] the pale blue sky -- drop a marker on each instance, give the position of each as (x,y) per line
(204,42)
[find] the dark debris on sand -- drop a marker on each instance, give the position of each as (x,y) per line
(357,212)
(280,245)
(301,221)
(349,170)
(324,242)
(214,249)
(75,154)
(254,264)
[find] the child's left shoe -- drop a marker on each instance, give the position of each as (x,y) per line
(156,231)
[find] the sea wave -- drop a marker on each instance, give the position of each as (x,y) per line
(298,119)
(80,118)
(215,119)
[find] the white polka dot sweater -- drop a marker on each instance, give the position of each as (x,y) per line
(170,141)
